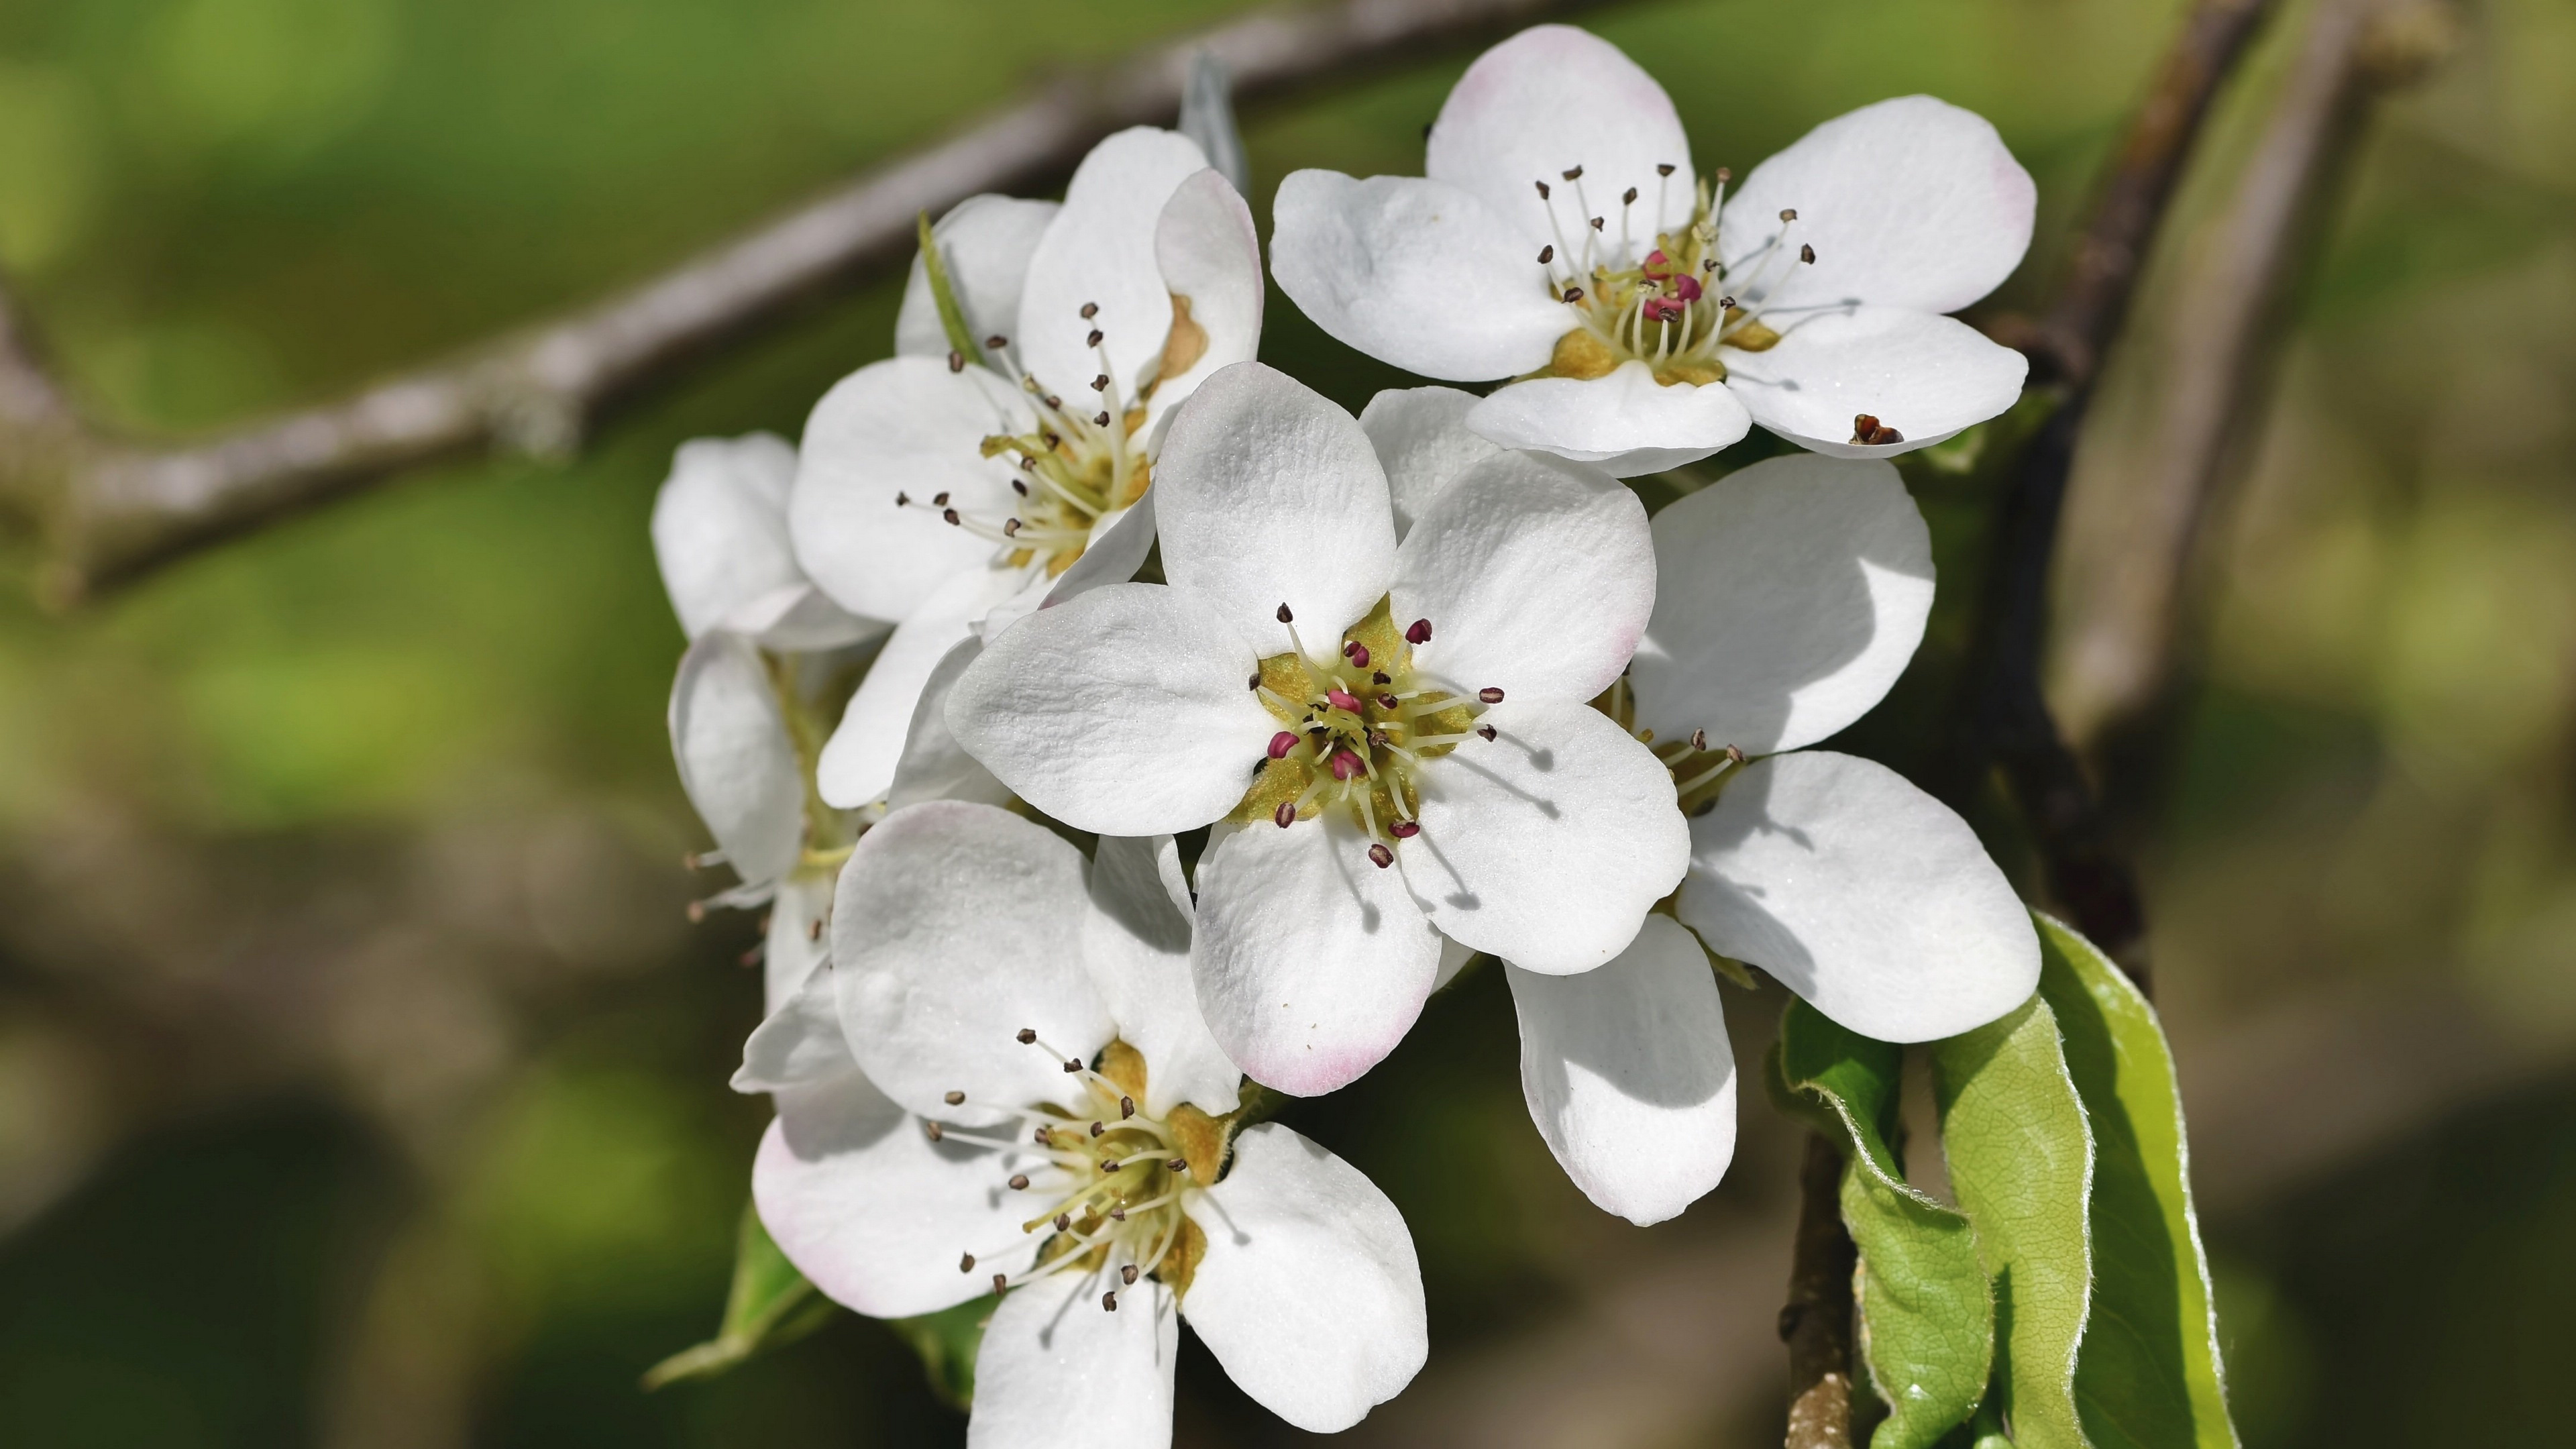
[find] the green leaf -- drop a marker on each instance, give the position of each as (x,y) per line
(2148,1375)
(943,291)
(1924,1313)
(770,1305)
(947,1342)
(2020,1158)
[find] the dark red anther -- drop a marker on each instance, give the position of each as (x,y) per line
(1284,616)
(1343,699)
(1346,765)
(1281,743)
(1388,701)
(1357,653)
(1090,310)
(1657,264)
(1093,340)
(1487,731)
(1419,633)
(1405,829)
(1285,815)
(1686,287)
(1573,294)
(1490,695)
(1380,856)
(1665,309)
(950,514)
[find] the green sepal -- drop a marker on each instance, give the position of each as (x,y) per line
(2020,1159)
(952,317)
(2148,1375)
(770,1305)
(1923,1311)
(947,1342)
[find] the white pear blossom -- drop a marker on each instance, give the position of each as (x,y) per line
(765,648)
(1337,705)
(1002,1083)
(1561,238)
(1001,457)
(1793,594)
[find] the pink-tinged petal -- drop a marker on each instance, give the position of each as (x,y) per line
(860,1199)
(1268,494)
(1310,1293)
(800,1043)
(1910,203)
(1629,1075)
(1626,424)
(956,927)
(905,427)
(1098,252)
(1056,1370)
(1537,575)
(1413,272)
(1548,100)
(736,761)
(1312,963)
(1926,377)
(987,241)
(1127,711)
(1210,257)
(1863,895)
(1793,594)
(720,534)
(1546,844)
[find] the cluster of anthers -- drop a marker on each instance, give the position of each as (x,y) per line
(1698,768)
(1357,728)
(1073,466)
(1671,308)
(1112,1178)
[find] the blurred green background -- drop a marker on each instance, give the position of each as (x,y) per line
(361,1080)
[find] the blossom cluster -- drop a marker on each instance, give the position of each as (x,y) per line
(1334,706)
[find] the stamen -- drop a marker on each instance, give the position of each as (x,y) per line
(966,1264)
(956,360)
(1380,856)
(1027,1034)
(1126,1108)
(1019,1182)
(1090,310)
(1127,1274)
(1486,731)
(1285,815)
(1281,743)
(1357,653)
(933,1129)
(1109,1301)
(1404,829)
(1490,695)
(1419,633)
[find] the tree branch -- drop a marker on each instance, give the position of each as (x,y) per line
(1817,1321)
(112,508)
(2003,718)
(2132,531)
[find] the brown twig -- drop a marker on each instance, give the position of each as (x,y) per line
(2132,530)
(2004,719)
(1817,1321)
(112,508)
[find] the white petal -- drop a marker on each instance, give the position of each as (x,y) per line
(1863,895)
(800,618)
(1423,443)
(1550,99)
(903,426)
(1137,944)
(1056,1370)
(736,762)
(1119,544)
(1791,595)
(794,949)
(800,1043)
(934,765)
(1629,1075)
(986,241)
(1310,1293)
(858,762)
(1453,959)
(956,926)
(1099,252)
(1126,711)
(720,526)
(1927,377)
(1413,272)
(1266,494)
(1546,844)
(874,1212)
(1910,202)
(1625,423)
(1210,255)
(1537,576)
(1311,962)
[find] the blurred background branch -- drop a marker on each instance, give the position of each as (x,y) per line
(112,508)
